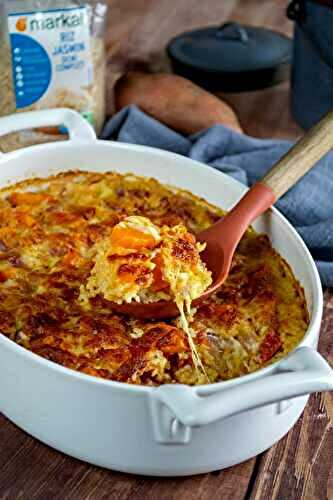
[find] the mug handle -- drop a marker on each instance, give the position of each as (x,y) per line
(78,128)
(303,372)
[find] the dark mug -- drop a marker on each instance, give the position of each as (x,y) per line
(312,71)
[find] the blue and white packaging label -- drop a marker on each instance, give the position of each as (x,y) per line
(51,57)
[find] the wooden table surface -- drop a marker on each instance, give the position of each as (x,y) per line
(300,465)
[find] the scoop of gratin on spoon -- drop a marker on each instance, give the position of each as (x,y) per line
(223,237)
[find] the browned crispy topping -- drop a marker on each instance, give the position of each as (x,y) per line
(47,231)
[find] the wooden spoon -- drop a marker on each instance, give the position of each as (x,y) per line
(223,237)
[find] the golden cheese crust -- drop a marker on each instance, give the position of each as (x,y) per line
(47,230)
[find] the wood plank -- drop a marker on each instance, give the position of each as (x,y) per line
(30,470)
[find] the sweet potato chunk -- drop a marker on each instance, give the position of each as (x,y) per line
(177,102)
(131,238)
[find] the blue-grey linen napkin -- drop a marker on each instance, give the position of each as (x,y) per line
(308,205)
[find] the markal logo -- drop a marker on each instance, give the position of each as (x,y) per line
(56,21)
(21,24)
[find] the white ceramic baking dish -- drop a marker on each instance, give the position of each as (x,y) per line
(173,429)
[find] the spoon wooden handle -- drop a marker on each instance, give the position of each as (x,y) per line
(262,195)
(301,157)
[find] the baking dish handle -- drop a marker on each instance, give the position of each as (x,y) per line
(303,372)
(78,128)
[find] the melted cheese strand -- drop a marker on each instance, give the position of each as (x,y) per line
(184,323)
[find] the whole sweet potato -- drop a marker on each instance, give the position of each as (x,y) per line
(173,100)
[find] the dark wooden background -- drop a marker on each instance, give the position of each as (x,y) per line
(300,466)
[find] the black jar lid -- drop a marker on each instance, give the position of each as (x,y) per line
(231,57)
